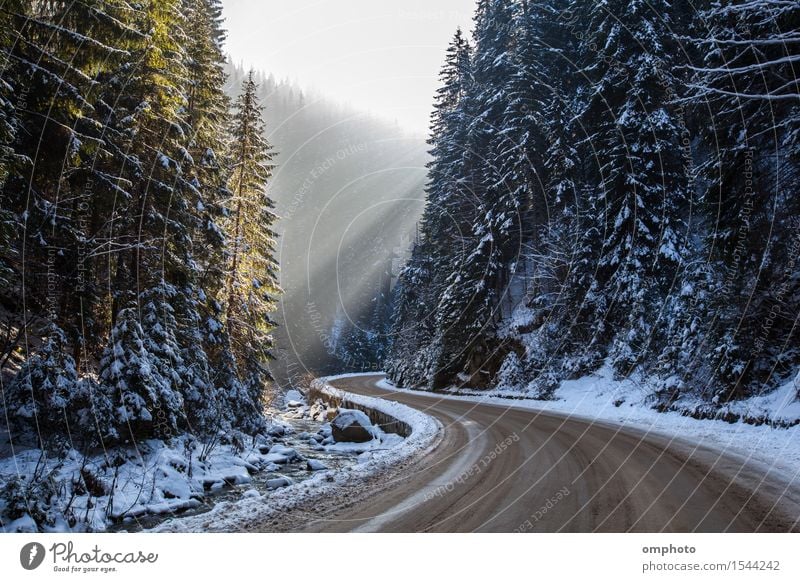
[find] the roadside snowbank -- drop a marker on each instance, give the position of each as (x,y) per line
(258,511)
(600,398)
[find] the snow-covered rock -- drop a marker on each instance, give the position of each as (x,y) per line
(294,396)
(276,458)
(315,465)
(352,426)
(279,482)
(288,452)
(276,430)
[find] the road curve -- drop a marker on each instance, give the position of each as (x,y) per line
(505,469)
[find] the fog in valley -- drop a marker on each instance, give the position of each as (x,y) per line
(348,187)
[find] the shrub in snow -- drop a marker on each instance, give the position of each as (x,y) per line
(146,403)
(43,390)
(30,503)
(46,397)
(544,384)
(511,375)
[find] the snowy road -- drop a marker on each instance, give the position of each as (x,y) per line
(508,469)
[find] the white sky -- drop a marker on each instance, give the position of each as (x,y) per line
(379,55)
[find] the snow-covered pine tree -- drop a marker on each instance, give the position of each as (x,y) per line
(236,410)
(152,221)
(412,320)
(146,402)
(207,112)
(536,165)
(8,129)
(640,183)
(48,403)
(41,398)
(207,120)
(531,91)
(58,52)
(160,329)
(467,307)
(747,83)
(116,171)
(447,218)
(252,283)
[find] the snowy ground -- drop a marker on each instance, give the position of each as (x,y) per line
(375,457)
(139,487)
(599,397)
(80,493)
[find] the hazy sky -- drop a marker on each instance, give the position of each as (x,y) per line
(381,55)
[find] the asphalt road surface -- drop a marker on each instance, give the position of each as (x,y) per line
(505,469)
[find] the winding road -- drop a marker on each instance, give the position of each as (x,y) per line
(506,469)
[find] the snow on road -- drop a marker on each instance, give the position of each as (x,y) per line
(600,398)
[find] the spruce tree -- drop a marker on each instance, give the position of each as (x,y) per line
(640,185)
(746,83)
(252,282)
(466,313)
(138,381)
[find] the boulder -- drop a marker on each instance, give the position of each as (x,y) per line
(315,465)
(294,396)
(288,452)
(276,430)
(352,426)
(277,458)
(279,482)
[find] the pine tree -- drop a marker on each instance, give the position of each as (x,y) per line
(41,397)
(114,182)
(466,313)
(145,401)
(162,217)
(449,213)
(252,282)
(747,84)
(59,50)
(580,164)
(8,129)
(412,322)
(207,120)
(207,112)
(640,185)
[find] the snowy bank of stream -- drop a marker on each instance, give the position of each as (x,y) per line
(374,457)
